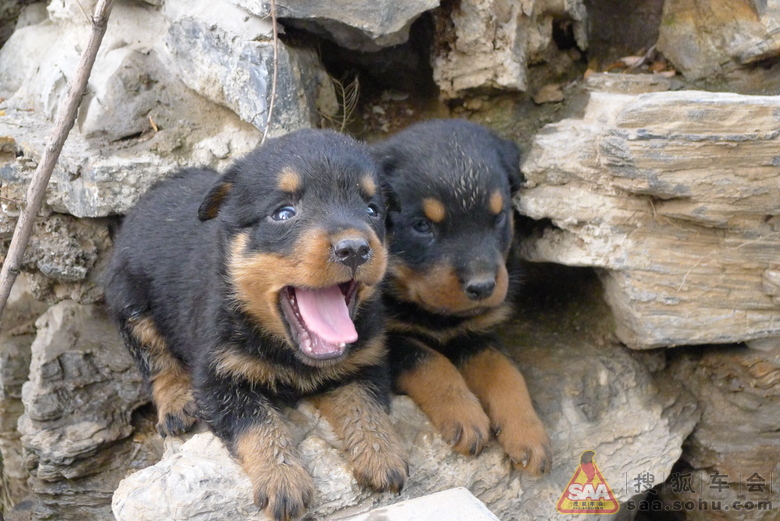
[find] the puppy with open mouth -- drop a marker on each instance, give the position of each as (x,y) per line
(242,293)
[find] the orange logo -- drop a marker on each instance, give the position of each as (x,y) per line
(587,491)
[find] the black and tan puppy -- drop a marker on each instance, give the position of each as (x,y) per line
(238,294)
(448,284)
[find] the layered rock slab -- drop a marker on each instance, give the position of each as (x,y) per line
(79,431)
(675,196)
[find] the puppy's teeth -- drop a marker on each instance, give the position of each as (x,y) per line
(342,345)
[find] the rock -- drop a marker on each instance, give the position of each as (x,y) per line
(156,101)
(550,93)
(594,407)
(490,44)
(457,504)
(360,26)
(64,255)
(226,55)
(97,181)
(733,453)
(711,38)
(18,333)
(672,195)
(78,413)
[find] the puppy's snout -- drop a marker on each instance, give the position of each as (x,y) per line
(479,289)
(352,252)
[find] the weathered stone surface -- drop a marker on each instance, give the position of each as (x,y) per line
(226,55)
(675,195)
(357,25)
(64,255)
(594,407)
(738,391)
(17,332)
(490,44)
(708,39)
(78,408)
(185,85)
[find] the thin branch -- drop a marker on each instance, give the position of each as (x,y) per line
(275,71)
(64,122)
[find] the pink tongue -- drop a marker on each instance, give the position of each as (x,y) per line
(325,314)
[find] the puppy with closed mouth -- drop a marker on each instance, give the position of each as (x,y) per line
(448,283)
(242,293)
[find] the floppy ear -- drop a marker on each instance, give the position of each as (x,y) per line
(392,201)
(509,155)
(385,158)
(211,204)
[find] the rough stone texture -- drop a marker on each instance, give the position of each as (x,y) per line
(78,408)
(64,255)
(593,407)
(184,85)
(706,39)
(675,195)
(490,44)
(17,334)
(354,24)
(738,391)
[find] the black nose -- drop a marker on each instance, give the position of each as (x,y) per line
(352,252)
(479,289)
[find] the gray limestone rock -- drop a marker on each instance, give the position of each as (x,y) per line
(17,332)
(733,455)
(712,38)
(186,84)
(490,44)
(78,419)
(675,196)
(357,25)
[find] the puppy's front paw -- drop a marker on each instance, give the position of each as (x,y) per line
(526,443)
(381,463)
(463,424)
(285,493)
(178,416)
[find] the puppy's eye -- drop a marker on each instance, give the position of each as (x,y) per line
(373,210)
(501,218)
(422,226)
(284,213)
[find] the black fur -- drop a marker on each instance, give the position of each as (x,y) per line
(451,273)
(172,269)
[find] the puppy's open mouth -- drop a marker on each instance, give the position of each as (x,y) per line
(321,319)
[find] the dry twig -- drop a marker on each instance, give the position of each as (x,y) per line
(64,122)
(275,71)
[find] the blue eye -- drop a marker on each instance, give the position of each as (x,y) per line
(501,218)
(284,213)
(373,210)
(422,226)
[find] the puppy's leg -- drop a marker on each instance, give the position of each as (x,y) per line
(435,384)
(358,413)
(169,379)
(258,436)
(502,391)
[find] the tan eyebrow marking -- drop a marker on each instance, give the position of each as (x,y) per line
(434,209)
